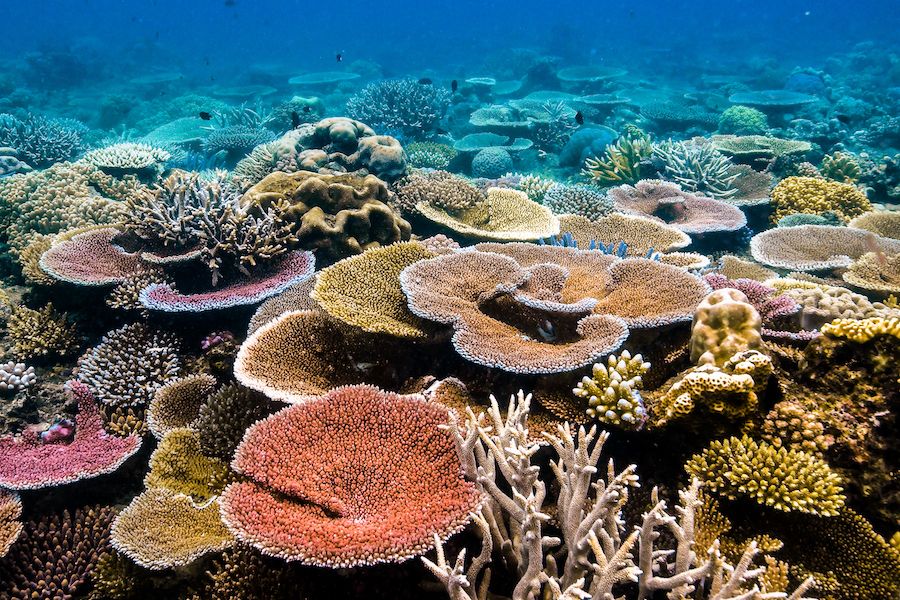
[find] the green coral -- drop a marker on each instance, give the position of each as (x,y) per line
(842,167)
(179,465)
(620,162)
(697,168)
(743,120)
(612,391)
(430,155)
(787,480)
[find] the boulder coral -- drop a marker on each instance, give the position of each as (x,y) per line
(725,323)
(355,477)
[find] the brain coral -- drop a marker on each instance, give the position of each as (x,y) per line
(666,201)
(338,215)
(491,163)
(364,290)
(788,480)
(817,196)
(505,215)
(356,477)
(816,247)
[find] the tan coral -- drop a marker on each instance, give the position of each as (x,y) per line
(364,290)
(861,331)
(876,272)
(725,323)
(177,404)
(816,247)
(438,189)
(162,529)
(734,267)
(883,223)
(639,233)
(505,215)
(10,520)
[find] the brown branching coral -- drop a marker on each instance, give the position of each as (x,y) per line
(225,415)
(10,523)
(177,404)
(438,189)
(42,332)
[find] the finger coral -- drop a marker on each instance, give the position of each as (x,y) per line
(374,479)
(129,365)
(861,331)
(57,555)
(364,290)
(28,462)
(162,529)
(817,196)
(612,390)
(787,480)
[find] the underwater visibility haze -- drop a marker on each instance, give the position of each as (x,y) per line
(471,300)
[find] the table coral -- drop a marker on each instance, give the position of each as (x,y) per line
(30,463)
(875,271)
(177,404)
(327,502)
(296,297)
(364,290)
(89,258)
(816,247)
(162,529)
(882,223)
(640,234)
(787,480)
(817,196)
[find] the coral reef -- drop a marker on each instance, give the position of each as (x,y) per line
(817,196)
(612,390)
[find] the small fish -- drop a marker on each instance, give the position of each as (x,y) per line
(454,85)
(339,57)
(579,118)
(843,119)
(307,109)
(295,120)
(425,81)
(547,331)
(205,115)
(440,131)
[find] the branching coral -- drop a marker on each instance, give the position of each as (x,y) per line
(177,404)
(179,465)
(130,364)
(401,104)
(841,167)
(697,168)
(10,523)
(743,120)
(861,331)
(817,196)
(224,416)
(620,162)
(41,141)
(582,200)
(430,155)
(612,390)
(787,480)
(128,158)
(437,189)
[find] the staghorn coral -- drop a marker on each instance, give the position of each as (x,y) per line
(816,247)
(162,529)
(364,290)
(582,200)
(178,465)
(787,480)
(875,271)
(129,365)
(30,462)
(379,499)
(439,189)
(400,104)
(177,404)
(612,390)
(504,215)
(338,215)
(666,201)
(817,196)
(224,416)
(38,333)
(57,554)
(41,141)
(725,323)
(698,168)
(10,523)
(639,234)
(127,158)
(863,330)
(620,162)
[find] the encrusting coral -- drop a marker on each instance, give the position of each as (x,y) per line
(787,480)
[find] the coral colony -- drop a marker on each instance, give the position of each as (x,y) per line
(532,330)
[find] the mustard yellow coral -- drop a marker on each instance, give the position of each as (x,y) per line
(816,196)
(612,390)
(863,330)
(179,465)
(364,290)
(787,480)
(39,332)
